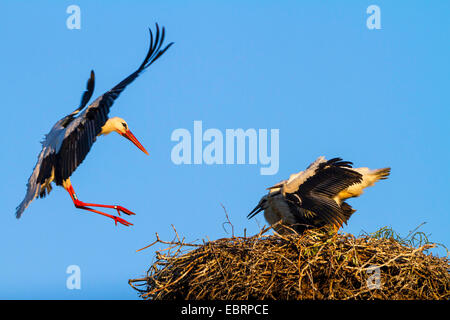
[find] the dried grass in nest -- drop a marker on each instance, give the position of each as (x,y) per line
(314,265)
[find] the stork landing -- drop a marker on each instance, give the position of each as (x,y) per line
(71,138)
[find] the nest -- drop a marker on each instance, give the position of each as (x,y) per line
(315,265)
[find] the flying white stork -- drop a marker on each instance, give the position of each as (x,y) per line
(69,141)
(316,197)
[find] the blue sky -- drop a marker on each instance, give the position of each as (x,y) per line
(311,69)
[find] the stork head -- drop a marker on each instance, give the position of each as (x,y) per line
(262,205)
(121,127)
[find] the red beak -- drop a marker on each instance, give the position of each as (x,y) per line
(133,139)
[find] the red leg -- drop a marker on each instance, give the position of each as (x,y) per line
(82,205)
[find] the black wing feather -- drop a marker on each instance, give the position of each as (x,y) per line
(84,100)
(317,191)
(88,93)
(330,178)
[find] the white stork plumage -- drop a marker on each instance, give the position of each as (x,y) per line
(316,197)
(69,141)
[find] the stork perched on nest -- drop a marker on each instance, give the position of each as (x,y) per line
(316,197)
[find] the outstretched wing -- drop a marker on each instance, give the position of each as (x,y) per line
(81,133)
(325,179)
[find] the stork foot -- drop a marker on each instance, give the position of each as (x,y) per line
(115,218)
(124,210)
(119,209)
(122,221)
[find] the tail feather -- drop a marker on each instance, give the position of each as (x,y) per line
(32,193)
(39,183)
(382,174)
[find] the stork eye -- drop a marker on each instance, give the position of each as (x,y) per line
(125,125)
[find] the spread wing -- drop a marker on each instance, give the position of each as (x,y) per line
(322,181)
